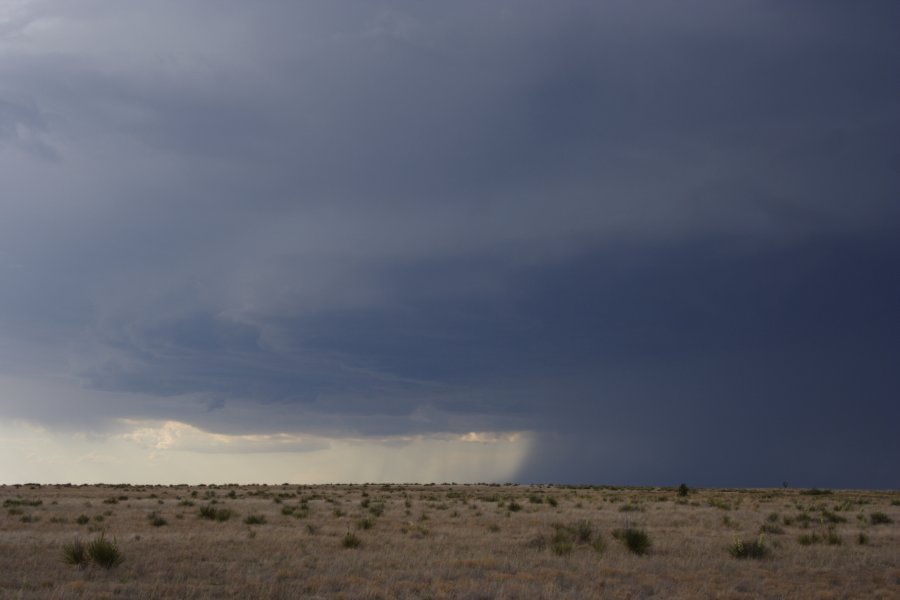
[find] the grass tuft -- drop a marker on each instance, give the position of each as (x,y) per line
(636,540)
(75,553)
(755,549)
(215,514)
(879,518)
(104,553)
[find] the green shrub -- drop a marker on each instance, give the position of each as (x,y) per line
(583,532)
(255,520)
(552,501)
(215,514)
(75,553)
(636,540)
(19,502)
(748,549)
(879,518)
(562,545)
(104,553)
(718,503)
(862,539)
(832,517)
(683,490)
(82,519)
(156,520)
(815,492)
(365,523)
(565,538)
(514,506)
(351,541)
(807,539)
(771,528)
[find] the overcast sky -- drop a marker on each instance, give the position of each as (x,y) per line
(588,242)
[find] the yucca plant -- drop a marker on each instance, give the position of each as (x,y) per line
(748,549)
(104,552)
(636,540)
(75,553)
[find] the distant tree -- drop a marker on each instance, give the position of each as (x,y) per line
(683,490)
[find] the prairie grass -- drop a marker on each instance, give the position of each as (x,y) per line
(468,545)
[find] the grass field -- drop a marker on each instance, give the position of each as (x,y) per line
(446,541)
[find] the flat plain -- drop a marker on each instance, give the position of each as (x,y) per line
(448,541)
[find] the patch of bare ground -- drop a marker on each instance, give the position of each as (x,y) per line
(449,541)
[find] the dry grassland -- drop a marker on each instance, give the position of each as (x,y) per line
(448,541)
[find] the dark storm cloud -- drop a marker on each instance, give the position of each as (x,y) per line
(593,220)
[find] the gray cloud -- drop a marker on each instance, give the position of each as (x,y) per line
(393,217)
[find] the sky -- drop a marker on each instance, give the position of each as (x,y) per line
(629,243)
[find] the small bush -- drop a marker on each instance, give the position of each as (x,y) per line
(562,545)
(718,503)
(879,518)
(583,532)
(552,501)
(514,506)
(683,490)
(862,539)
(771,528)
(831,517)
(365,523)
(815,492)
(20,502)
(156,520)
(82,519)
(808,539)
(75,553)
(104,553)
(215,514)
(748,549)
(255,520)
(636,540)
(351,541)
